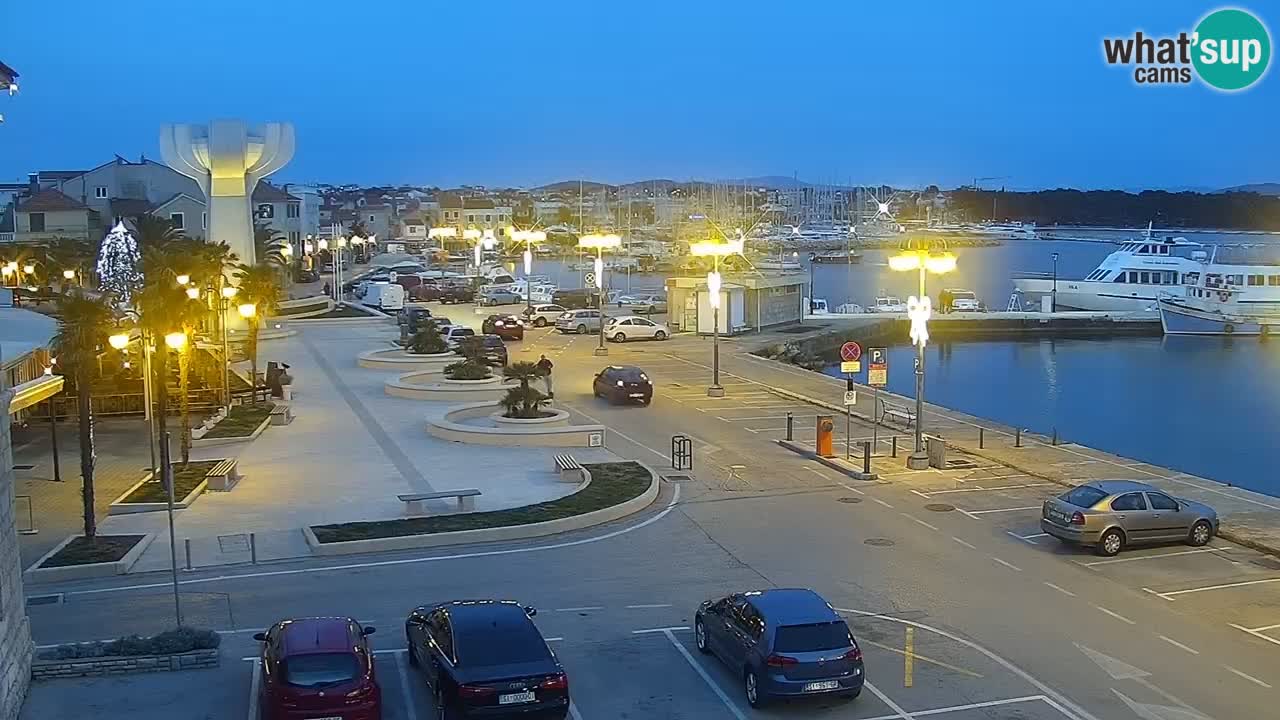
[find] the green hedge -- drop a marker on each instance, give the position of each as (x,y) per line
(169,642)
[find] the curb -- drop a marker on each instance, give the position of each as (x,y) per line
(498,534)
(36,574)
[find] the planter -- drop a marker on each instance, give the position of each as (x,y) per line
(120,507)
(123,665)
(489,390)
(398,359)
(518,434)
(557,418)
(211,442)
(37,574)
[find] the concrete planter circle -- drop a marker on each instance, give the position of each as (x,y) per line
(543,432)
(557,418)
(431,385)
(397,359)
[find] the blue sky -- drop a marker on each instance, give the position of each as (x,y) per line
(523,93)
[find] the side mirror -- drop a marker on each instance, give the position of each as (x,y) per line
(368,630)
(530,610)
(260,637)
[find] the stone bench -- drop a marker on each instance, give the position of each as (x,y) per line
(902,413)
(281,415)
(413,501)
(223,476)
(569,469)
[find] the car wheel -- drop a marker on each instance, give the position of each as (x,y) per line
(582,329)
(1201,533)
(754,698)
(700,637)
(540,322)
(1111,542)
(620,337)
(659,335)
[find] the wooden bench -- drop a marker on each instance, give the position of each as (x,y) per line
(413,501)
(281,415)
(223,476)
(261,393)
(902,413)
(569,469)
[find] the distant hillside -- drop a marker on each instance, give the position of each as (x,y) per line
(1260,188)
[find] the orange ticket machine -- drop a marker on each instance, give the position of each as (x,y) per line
(826,427)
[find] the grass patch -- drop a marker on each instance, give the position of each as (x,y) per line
(185,479)
(241,422)
(342,311)
(611,484)
(86,550)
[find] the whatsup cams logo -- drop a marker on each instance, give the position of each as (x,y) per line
(1228,50)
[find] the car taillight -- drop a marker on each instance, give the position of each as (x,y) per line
(853,655)
(475,691)
(1077,518)
(780,661)
(559,681)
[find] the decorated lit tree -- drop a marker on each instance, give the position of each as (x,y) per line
(118,261)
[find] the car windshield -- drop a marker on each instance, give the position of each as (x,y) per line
(319,669)
(463,332)
(493,341)
(1084,496)
(812,638)
(501,643)
(630,374)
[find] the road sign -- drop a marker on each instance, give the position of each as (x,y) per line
(589,279)
(877,367)
(851,366)
(850,397)
(850,351)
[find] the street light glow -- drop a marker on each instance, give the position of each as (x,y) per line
(442,232)
(183,279)
(716,249)
(69,274)
(713,288)
(248,310)
(471,234)
(119,341)
(29,269)
(176,340)
(230,291)
(193,293)
(599,242)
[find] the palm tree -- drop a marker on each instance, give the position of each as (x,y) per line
(269,246)
(85,323)
(154,232)
(260,287)
(70,253)
(165,308)
(523,401)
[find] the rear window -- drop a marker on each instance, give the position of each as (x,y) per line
(631,374)
(501,643)
(812,638)
(463,332)
(1083,496)
(320,669)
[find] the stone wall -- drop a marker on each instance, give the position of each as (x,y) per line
(88,667)
(15,629)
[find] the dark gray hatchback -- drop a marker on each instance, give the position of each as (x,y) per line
(784,642)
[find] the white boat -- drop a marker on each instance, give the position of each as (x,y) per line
(1130,278)
(771,264)
(849,309)
(1245,302)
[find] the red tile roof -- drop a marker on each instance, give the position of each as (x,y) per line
(49,200)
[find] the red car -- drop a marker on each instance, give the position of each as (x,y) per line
(507,327)
(318,668)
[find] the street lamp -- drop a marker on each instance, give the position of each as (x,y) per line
(528,237)
(715,250)
(248,310)
(921,260)
(1053,304)
(183,279)
(228,292)
(474,235)
(119,341)
(176,341)
(599,243)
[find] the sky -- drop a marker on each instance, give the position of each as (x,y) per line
(518,93)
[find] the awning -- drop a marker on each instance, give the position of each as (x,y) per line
(35,391)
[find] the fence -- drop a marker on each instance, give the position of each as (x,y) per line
(105,404)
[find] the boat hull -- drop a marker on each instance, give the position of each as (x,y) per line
(1179,319)
(1092,296)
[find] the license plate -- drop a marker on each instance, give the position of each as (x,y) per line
(328,717)
(637,395)
(513,698)
(824,685)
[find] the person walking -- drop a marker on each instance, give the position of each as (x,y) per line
(544,366)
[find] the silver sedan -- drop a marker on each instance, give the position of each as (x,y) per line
(1110,515)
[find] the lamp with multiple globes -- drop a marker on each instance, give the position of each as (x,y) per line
(716,250)
(600,242)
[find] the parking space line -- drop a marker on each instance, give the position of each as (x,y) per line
(1179,645)
(1257,632)
(654,605)
(978,706)
(1007,564)
(663,630)
(883,503)
(1001,510)
(573,711)
(917,520)
(986,489)
(693,663)
(971,546)
(903,714)
(1064,591)
(402,666)
(580,609)
(1148,557)
(1225,586)
(1115,615)
(1247,676)
(922,658)
(1028,539)
(254,685)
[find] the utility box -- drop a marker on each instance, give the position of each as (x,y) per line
(824,440)
(936,448)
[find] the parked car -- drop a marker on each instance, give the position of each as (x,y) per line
(643,304)
(576,299)
(507,327)
(319,667)
(455,293)
(494,350)
(784,642)
(630,327)
(543,315)
(425,292)
(623,383)
(498,296)
(453,334)
(486,658)
(579,321)
(1110,515)
(889,304)
(412,319)
(964,300)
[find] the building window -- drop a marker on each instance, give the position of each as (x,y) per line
(1256,280)
(291,210)
(371,218)
(37,222)
(1235,279)
(178,220)
(204,221)
(100,192)
(1273,280)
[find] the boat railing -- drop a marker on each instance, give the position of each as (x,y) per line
(1033,275)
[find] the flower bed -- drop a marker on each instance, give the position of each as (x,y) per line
(179,649)
(186,478)
(242,422)
(86,550)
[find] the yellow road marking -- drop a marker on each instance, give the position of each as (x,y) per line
(908,664)
(923,658)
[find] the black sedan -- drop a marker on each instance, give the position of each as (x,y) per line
(455,294)
(507,327)
(493,350)
(623,383)
(486,658)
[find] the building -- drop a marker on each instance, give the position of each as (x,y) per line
(376,219)
(46,214)
(747,302)
(479,212)
(309,196)
(278,210)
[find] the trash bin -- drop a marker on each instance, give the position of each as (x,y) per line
(936,448)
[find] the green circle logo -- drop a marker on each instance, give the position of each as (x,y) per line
(1232,49)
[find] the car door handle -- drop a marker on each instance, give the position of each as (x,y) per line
(1121,516)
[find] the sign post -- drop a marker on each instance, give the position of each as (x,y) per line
(850,399)
(877,377)
(850,363)
(850,358)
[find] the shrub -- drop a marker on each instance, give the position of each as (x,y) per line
(472,348)
(427,340)
(169,642)
(467,370)
(524,402)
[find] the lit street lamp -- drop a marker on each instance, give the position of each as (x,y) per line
(228,292)
(599,243)
(474,235)
(528,237)
(919,309)
(715,250)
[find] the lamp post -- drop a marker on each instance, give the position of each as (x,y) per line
(228,292)
(599,243)
(919,309)
(528,237)
(1053,303)
(474,235)
(715,250)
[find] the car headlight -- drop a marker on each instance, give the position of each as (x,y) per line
(619,383)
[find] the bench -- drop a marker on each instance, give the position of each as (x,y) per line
(223,476)
(281,415)
(262,392)
(902,413)
(569,469)
(413,501)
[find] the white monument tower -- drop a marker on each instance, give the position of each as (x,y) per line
(227,159)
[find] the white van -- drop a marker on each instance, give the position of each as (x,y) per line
(386,296)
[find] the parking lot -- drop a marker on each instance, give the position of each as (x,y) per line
(614,672)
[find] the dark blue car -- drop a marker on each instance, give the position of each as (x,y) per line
(785,643)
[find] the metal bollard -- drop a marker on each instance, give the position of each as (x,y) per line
(253,548)
(187,542)
(790,424)
(895,446)
(981,438)
(866,457)
(1017,437)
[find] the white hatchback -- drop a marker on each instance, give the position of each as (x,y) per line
(631,327)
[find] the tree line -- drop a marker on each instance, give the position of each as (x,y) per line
(1116,208)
